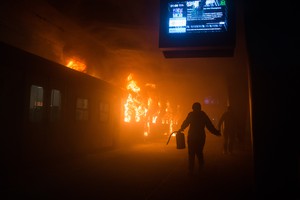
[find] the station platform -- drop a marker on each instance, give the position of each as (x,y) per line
(150,170)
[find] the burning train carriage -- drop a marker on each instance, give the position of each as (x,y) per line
(51,111)
(147,115)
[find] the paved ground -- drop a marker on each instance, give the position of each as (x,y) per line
(149,171)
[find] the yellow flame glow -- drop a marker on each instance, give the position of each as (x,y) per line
(76,65)
(143,108)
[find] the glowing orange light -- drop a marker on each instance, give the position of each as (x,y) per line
(134,106)
(145,108)
(76,65)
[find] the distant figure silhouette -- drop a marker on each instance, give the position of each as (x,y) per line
(227,125)
(197,120)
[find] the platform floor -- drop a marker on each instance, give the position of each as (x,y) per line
(143,171)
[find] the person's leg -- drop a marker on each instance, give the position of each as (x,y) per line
(199,153)
(191,158)
(200,159)
(231,144)
(225,143)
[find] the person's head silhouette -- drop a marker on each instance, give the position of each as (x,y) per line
(196,106)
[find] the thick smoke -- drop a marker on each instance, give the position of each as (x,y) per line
(114,45)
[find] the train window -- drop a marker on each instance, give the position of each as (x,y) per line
(55,105)
(103,112)
(81,109)
(36,103)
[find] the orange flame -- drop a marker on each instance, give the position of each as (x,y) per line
(76,65)
(134,107)
(142,108)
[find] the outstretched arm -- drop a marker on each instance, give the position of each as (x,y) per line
(186,122)
(211,127)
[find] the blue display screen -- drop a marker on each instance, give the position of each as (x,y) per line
(200,16)
(194,28)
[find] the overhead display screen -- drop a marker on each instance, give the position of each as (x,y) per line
(197,16)
(200,24)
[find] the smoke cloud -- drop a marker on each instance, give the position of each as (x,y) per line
(114,39)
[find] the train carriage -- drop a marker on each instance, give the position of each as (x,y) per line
(51,111)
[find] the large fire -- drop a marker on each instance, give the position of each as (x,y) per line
(76,64)
(141,106)
(146,108)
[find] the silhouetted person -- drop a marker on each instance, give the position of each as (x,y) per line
(197,120)
(227,125)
